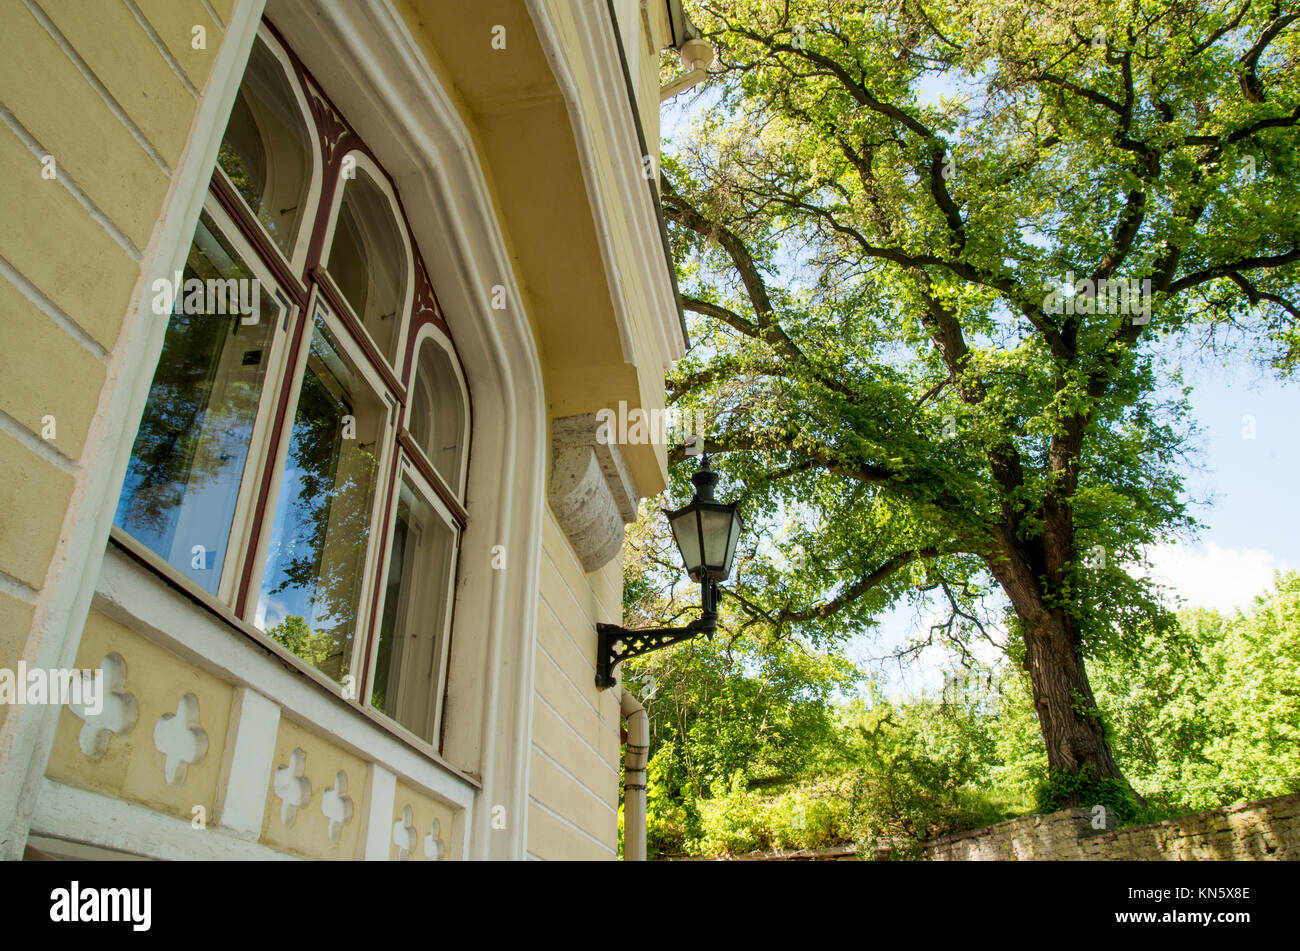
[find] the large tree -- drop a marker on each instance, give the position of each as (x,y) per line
(874,220)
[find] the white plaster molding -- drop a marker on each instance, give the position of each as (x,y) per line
(249,759)
(610,116)
(379,824)
(180,739)
(118,711)
(591,492)
(132,595)
(70,814)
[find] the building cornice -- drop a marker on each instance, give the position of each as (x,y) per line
(611,112)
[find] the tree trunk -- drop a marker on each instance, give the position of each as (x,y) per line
(1067,711)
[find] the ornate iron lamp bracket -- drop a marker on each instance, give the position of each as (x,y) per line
(617,644)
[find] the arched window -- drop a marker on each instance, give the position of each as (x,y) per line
(437,418)
(270,475)
(368,260)
(267,151)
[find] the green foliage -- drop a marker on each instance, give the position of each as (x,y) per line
(869,271)
(1061,789)
(297,635)
(900,409)
(919,769)
(809,816)
(1203,714)
(1209,712)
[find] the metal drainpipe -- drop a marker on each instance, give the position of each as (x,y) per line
(638,750)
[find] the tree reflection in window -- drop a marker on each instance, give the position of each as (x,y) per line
(182,482)
(315,567)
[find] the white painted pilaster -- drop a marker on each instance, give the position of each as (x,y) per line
(250,756)
(379,824)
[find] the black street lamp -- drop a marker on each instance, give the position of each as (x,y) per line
(706,532)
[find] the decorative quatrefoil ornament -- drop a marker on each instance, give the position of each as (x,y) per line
(180,739)
(337,805)
(117,709)
(292,787)
(404,835)
(433,845)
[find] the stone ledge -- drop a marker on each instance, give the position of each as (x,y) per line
(591,491)
(1267,829)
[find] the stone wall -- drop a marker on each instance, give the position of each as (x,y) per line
(1265,829)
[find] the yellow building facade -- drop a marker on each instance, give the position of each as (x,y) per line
(310,307)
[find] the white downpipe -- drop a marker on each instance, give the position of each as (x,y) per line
(638,753)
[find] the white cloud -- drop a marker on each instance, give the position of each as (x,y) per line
(1208,576)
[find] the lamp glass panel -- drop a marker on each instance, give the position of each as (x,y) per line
(715,524)
(687,535)
(731,543)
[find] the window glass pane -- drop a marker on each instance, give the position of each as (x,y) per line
(316,560)
(367,260)
(408,666)
(437,416)
(189,455)
(266,151)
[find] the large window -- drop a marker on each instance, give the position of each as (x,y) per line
(273,469)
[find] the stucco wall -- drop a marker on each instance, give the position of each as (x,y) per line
(1265,829)
(573,774)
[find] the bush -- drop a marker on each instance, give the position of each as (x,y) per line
(1061,788)
(735,822)
(920,769)
(810,817)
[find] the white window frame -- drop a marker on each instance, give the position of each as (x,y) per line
(241,525)
(380,496)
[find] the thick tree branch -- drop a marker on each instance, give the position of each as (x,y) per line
(1226,270)
(857,589)
(1251,85)
(1254,295)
